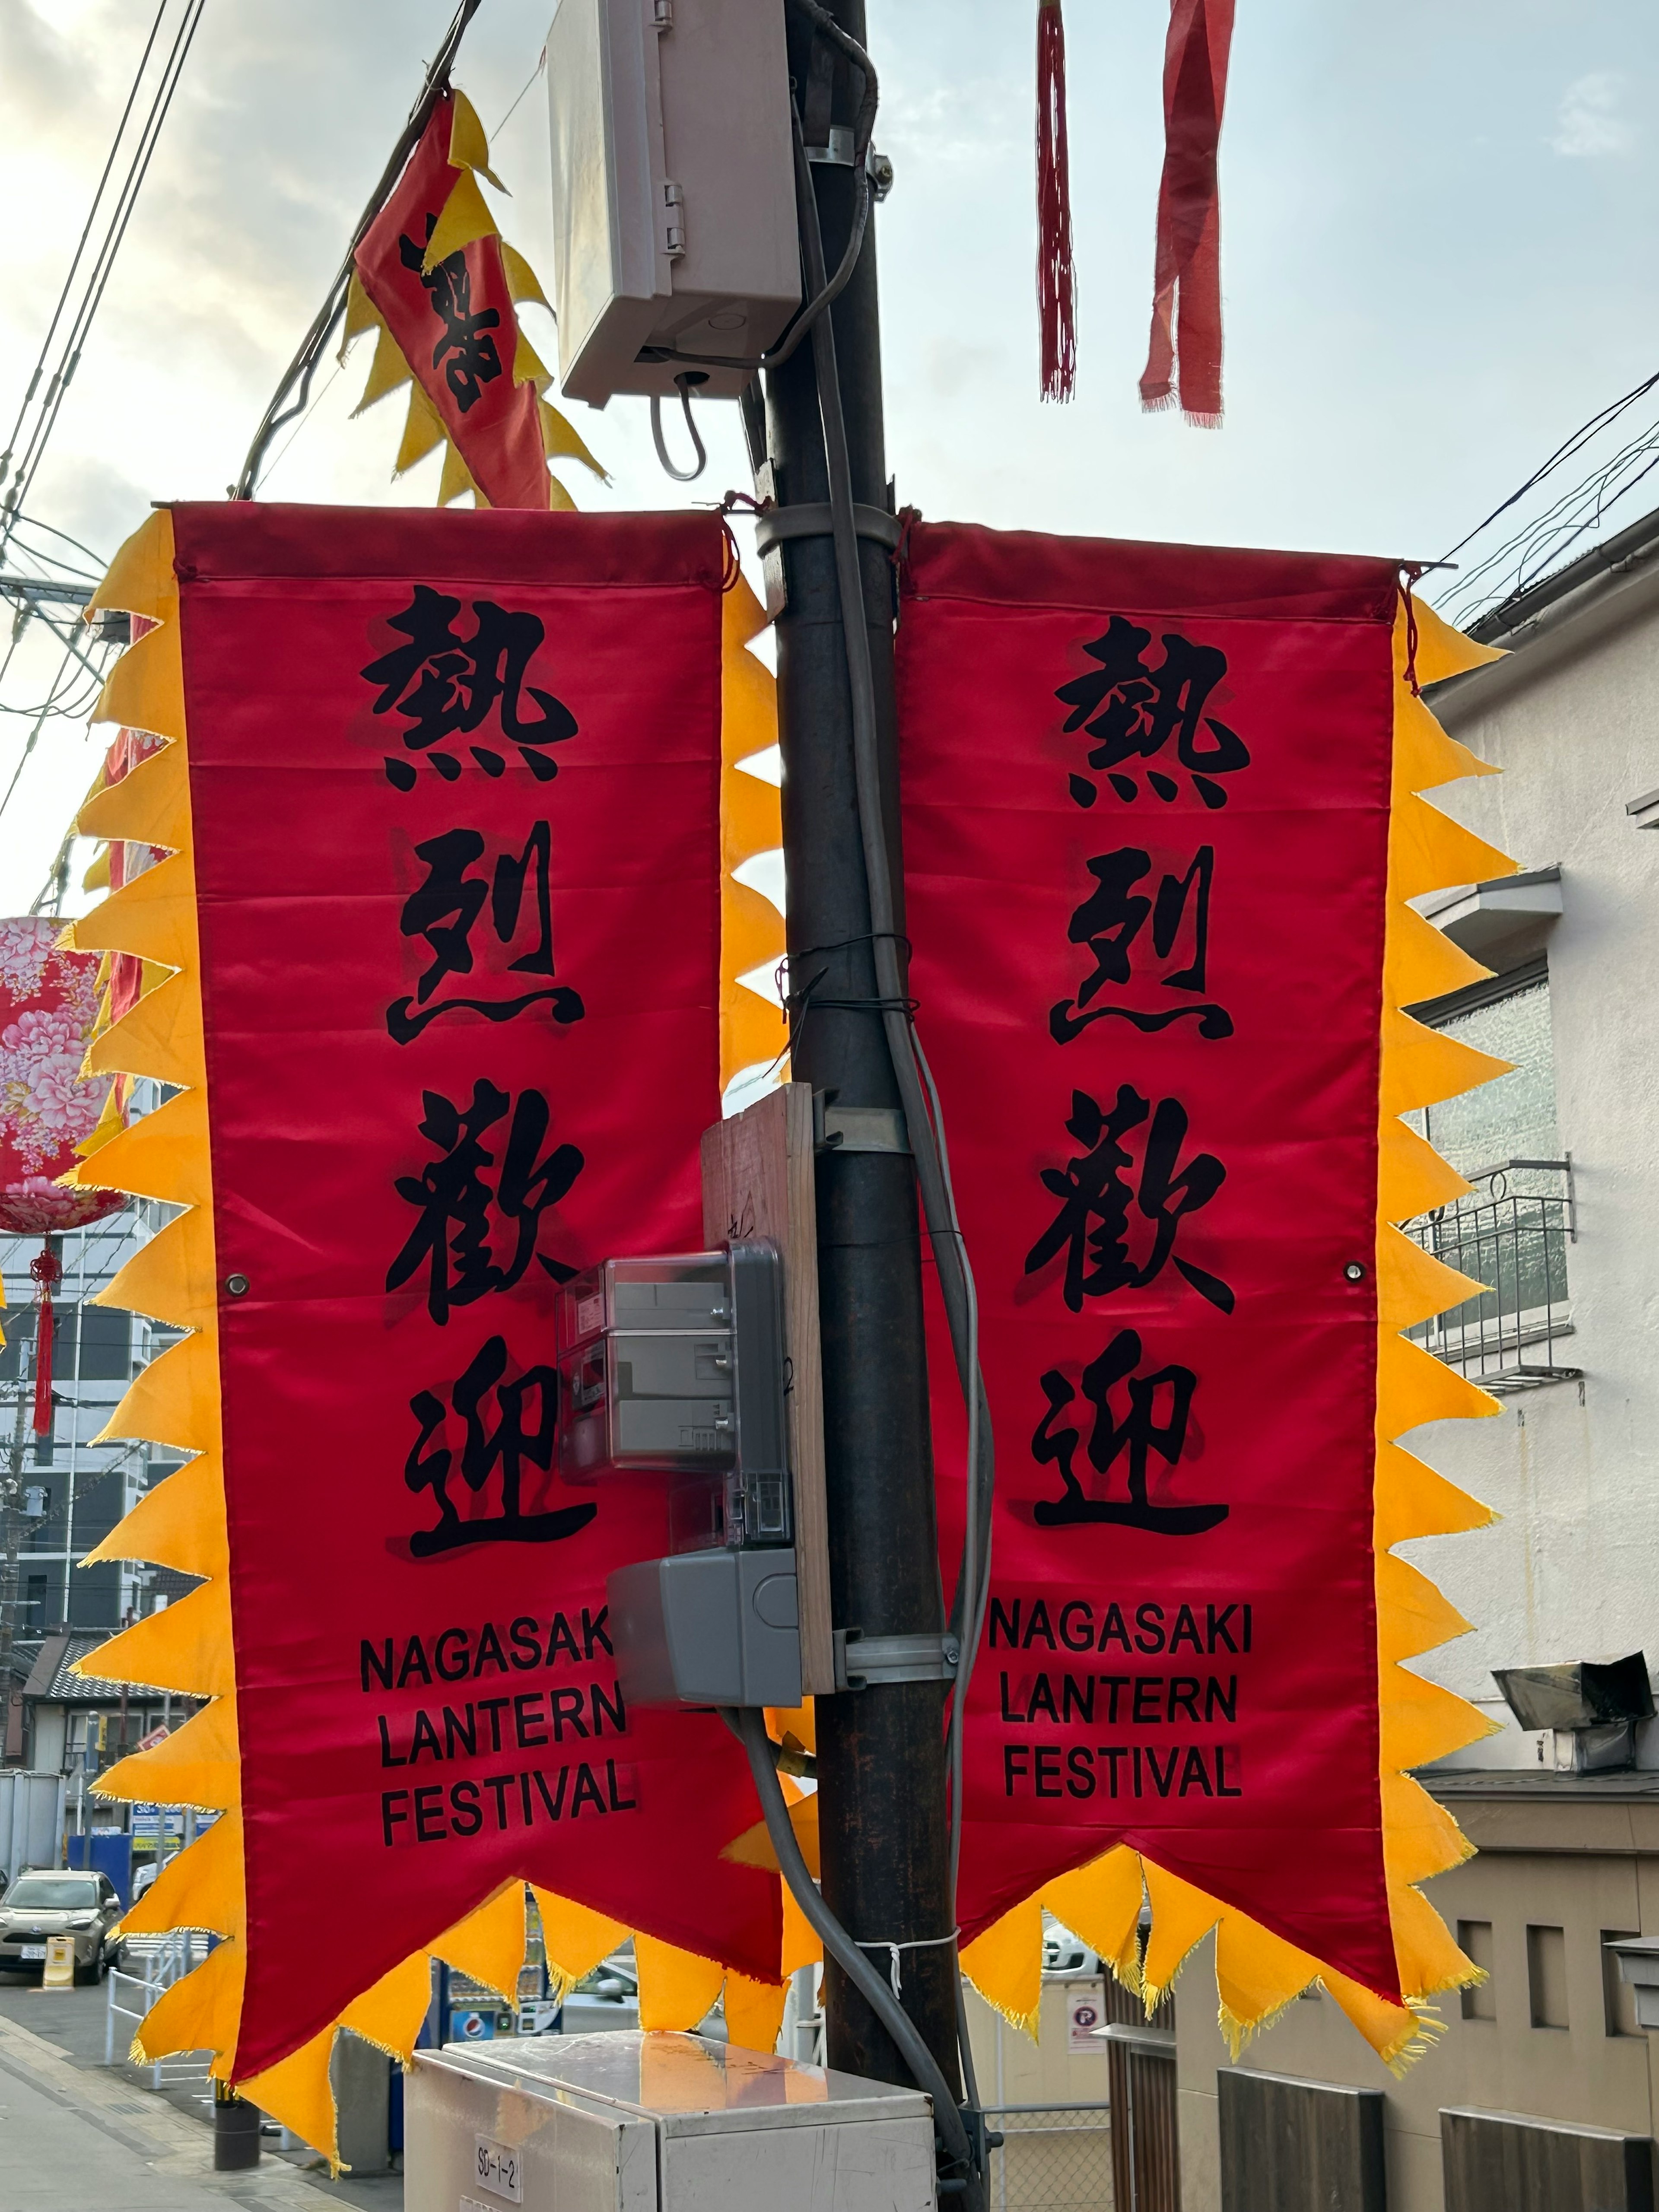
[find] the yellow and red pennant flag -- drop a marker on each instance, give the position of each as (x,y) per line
(1161,821)
(435,278)
(439,960)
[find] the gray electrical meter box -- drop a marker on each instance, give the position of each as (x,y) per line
(673,190)
(675,1363)
(627,2122)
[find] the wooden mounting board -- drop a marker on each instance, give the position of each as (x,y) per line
(757,1180)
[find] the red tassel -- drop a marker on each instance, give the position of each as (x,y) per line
(1185,352)
(46,1270)
(1054,284)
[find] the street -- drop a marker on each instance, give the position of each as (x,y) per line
(75,2133)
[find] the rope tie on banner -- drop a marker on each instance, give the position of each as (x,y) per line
(1410,572)
(916,1943)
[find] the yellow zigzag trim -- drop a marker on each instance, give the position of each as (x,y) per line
(753,1032)
(181,1522)
(1258,1973)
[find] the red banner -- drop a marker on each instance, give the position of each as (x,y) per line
(455,325)
(454,788)
(1146,797)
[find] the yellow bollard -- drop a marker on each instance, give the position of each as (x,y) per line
(58,1972)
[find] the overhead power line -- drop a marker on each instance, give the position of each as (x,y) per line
(81,297)
(1540,543)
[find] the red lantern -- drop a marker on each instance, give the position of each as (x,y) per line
(48,1006)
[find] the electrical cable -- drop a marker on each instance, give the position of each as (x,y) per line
(80,245)
(279,456)
(684,381)
(1522,558)
(1564,450)
(29,743)
(748,1724)
(104,263)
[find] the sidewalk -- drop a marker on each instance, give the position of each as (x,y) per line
(75,2134)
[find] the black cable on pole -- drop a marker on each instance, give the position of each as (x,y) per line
(301,370)
(748,1724)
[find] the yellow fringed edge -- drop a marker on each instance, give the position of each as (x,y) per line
(753,1032)
(1258,1973)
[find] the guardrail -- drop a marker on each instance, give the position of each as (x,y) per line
(1511,1233)
(160,1961)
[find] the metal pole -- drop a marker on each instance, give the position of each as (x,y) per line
(880,1751)
(9,1573)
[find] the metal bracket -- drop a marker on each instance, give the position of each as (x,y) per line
(862,1660)
(838,154)
(857,1129)
(774,525)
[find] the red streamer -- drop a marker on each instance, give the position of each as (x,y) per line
(1055,290)
(1184,357)
(46,1271)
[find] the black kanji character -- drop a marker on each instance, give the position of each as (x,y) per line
(444,910)
(444,684)
(1092,1227)
(1134,710)
(467,355)
(1151,1427)
(510,1445)
(452,1238)
(1111,919)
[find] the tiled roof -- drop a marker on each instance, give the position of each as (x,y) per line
(53,1680)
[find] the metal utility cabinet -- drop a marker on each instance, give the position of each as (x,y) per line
(632,2122)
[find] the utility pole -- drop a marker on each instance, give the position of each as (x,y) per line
(881,1757)
(13,1493)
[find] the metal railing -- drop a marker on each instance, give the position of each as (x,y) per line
(1514,1241)
(1053,2157)
(149,1964)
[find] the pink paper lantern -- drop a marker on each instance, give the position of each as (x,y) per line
(48,1005)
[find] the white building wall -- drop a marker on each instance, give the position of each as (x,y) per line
(1571,1569)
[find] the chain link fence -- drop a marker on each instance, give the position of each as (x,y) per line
(1055,2158)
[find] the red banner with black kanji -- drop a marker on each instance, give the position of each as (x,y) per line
(1146,819)
(453,783)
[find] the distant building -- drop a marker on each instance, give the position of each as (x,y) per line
(75,1490)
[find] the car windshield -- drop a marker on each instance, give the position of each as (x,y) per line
(50,1892)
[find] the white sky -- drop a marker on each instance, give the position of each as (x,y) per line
(1439,229)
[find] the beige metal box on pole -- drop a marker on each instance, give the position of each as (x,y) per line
(673,190)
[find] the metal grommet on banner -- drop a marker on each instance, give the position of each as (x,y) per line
(1355,1270)
(236,1286)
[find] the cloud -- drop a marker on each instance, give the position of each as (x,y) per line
(1587,123)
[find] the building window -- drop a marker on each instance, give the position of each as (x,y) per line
(1512,1231)
(1547,1975)
(1474,1941)
(1618,1997)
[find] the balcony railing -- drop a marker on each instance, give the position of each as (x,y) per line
(1513,1240)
